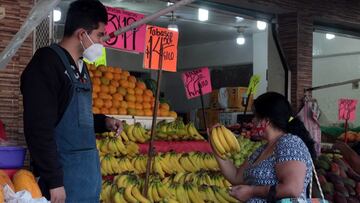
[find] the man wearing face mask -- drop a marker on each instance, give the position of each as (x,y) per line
(59,125)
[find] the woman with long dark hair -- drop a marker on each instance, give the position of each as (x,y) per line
(282,168)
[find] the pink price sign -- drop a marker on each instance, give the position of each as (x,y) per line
(133,40)
(192,80)
(347,109)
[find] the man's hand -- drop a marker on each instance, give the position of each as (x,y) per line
(113,124)
(58,195)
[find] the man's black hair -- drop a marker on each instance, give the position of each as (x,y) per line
(85,14)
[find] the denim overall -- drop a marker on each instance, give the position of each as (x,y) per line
(75,139)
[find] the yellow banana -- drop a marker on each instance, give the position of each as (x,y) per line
(124,136)
(178,176)
(181,194)
(226,196)
(118,198)
(136,193)
(104,146)
(137,134)
(128,195)
(158,169)
(219,197)
(149,193)
(194,197)
(155,194)
(230,139)
(219,149)
(129,133)
(223,142)
(114,164)
(111,146)
(120,146)
(121,181)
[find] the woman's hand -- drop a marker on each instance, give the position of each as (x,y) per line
(242,192)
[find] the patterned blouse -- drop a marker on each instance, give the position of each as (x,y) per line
(288,148)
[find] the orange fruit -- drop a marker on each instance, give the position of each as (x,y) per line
(138,105)
(122,111)
(107,103)
(125,73)
(146,105)
(173,114)
(91,67)
(117,96)
(117,76)
(131,105)
(139,98)
(130,98)
(104,110)
(112,89)
(96,81)
(131,111)
(96,110)
(110,69)
(109,75)
(91,74)
(148,93)
(104,89)
(116,103)
(102,68)
(113,111)
(139,112)
(132,79)
(164,113)
(98,102)
(114,83)
(123,77)
(121,90)
(103,95)
(132,85)
(94,95)
(130,91)
(139,91)
(148,112)
(141,85)
(165,106)
(117,70)
(124,83)
(104,81)
(96,88)
(123,104)
(146,98)
(97,74)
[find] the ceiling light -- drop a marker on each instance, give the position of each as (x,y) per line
(203,14)
(170,3)
(261,25)
(240,40)
(56,15)
(329,36)
(173,27)
(239,19)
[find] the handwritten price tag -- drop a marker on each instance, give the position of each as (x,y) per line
(157,37)
(254,84)
(193,78)
(347,109)
(133,40)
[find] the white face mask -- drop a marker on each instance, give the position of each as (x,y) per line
(94,51)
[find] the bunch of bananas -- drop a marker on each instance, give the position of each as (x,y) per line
(224,142)
(135,133)
(215,194)
(198,178)
(177,130)
(111,145)
(109,165)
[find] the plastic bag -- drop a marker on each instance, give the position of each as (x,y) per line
(21,196)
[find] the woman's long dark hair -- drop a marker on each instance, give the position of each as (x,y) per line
(277,109)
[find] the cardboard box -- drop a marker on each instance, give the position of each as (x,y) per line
(211,115)
(230,97)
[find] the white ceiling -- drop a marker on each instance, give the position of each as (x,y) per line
(222,25)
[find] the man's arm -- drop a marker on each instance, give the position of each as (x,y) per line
(39,89)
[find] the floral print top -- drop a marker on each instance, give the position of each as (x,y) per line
(288,148)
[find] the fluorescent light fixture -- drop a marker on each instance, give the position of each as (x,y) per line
(173,27)
(56,15)
(203,14)
(170,3)
(239,19)
(329,36)
(261,25)
(240,40)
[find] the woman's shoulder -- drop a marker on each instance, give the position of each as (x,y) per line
(290,140)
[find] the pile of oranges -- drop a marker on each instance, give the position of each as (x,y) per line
(116,92)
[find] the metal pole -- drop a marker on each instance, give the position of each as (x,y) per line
(147,19)
(202,106)
(153,126)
